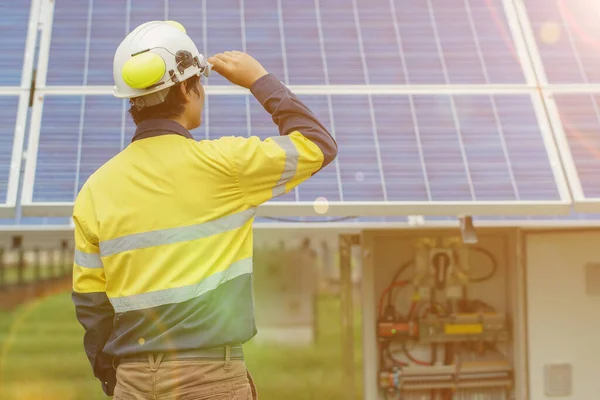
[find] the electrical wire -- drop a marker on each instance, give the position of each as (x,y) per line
(491,257)
(386,292)
(397,275)
(411,358)
(411,312)
(397,362)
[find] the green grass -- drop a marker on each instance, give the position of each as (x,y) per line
(41,357)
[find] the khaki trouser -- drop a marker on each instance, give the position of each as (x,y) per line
(184,380)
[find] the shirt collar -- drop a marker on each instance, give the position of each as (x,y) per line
(158,127)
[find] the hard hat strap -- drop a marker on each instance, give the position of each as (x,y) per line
(150,100)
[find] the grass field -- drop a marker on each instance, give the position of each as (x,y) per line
(41,357)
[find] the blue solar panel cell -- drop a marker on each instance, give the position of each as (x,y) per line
(485,148)
(418,43)
(340,41)
(56,169)
(72,145)
(142,11)
(359,162)
(227,116)
(13,30)
(526,151)
(400,149)
(453,25)
(190,13)
(442,152)
(303,47)
(495,43)
(102,135)
(107,29)
(223,19)
(264,39)
(261,124)
(382,52)
(581,123)
(66,62)
(567,36)
(8,118)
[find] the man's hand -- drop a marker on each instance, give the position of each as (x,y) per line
(239,68)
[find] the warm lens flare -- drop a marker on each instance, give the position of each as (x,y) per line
(550,32)
(321,205)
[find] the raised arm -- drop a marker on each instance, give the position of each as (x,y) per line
(276,165)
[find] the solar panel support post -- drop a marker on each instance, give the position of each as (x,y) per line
(17,244)
(347,314)
(37,264)
(2,277)
(64,266)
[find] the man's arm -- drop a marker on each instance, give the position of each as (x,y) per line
(291,115)
(272,167)
(93,309)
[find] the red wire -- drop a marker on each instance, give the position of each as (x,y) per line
(412,310)
(386,291)
(411,358)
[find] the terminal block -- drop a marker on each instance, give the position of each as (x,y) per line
(459,376)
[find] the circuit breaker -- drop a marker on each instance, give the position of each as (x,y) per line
(442,316)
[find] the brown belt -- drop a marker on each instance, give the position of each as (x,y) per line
(214,354)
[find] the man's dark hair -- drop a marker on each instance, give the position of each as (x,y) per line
(173,105)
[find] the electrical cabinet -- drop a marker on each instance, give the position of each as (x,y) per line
(442,319)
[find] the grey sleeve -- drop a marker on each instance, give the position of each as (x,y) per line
(95,313)
(290,115)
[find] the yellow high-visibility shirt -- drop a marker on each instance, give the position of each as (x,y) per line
(163,231)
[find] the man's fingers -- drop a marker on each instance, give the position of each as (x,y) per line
(218,64)
(224,57)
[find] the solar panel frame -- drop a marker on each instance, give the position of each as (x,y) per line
(21,95)
(8,208)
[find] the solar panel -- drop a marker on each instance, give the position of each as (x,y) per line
(14,27)
(303,42)
(13,112)
(576,119)
(431,154)
(567,37)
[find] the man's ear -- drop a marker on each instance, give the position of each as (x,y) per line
(182,87)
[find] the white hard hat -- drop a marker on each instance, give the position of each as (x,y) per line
(153,57)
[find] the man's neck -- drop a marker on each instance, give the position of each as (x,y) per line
(181,121)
